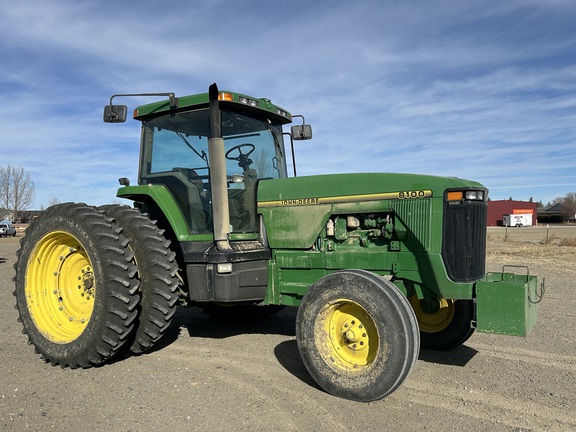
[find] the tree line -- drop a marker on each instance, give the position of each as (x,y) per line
(568,201)
(16,189)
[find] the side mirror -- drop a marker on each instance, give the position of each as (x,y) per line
(301,132)
(115,113)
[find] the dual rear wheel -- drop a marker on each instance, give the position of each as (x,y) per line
(90,281)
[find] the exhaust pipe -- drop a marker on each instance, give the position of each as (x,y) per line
(218,182)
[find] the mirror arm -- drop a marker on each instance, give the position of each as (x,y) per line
(171,97)
(292,148)
(117,113)
(303,123)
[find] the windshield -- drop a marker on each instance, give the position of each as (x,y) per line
(175,153)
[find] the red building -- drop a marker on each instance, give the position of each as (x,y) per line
(496,209)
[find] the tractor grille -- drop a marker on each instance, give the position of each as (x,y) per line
(416,215)
(464,240)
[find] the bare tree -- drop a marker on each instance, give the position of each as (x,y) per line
(16,189)
(5,178)
(262,164)
(570,200)
(53,201)
(569,203)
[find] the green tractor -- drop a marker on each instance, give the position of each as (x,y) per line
(378,264)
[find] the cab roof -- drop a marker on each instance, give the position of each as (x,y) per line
(226,98)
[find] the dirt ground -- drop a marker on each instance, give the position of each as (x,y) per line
(209,376)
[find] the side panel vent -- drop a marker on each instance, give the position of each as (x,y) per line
(415,215)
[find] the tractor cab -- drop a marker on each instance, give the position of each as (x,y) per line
(176,154)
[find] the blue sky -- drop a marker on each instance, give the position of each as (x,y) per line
(484,90)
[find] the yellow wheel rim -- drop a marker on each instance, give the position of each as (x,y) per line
(352,337)
(60,287)
(434,315)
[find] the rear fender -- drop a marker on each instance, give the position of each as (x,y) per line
(161,196)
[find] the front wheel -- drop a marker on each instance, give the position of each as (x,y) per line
(444,324)
(357,335)
(76,287)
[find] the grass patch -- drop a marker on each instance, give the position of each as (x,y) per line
(568,241)
(549,239)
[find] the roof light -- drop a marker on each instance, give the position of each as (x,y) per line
(226,97)
(248,101)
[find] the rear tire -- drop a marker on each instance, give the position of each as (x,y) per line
(157,271)
(76,287)
(357,335)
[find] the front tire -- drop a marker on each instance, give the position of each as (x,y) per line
(76,287)
(444,324)
(157,271)
(357,335)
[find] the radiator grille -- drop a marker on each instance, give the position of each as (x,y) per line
(464,240)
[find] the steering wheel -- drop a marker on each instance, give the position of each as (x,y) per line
(243,160)
(239,148)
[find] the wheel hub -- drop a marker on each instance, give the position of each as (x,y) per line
(354,333)
(352,336)
(87,278)
(60,287)
(433,314)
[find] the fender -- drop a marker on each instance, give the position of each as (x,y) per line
(160,195)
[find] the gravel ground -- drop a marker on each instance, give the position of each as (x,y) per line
(206,375)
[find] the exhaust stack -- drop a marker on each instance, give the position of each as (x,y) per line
(218,182)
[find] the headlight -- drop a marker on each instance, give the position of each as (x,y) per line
(474,195)
(455,197)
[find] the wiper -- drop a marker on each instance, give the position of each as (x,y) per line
(276,142)
(202,155)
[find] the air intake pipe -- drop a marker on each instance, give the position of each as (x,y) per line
(218,181)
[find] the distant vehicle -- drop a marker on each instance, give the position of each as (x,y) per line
(517,220)
(7,229)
